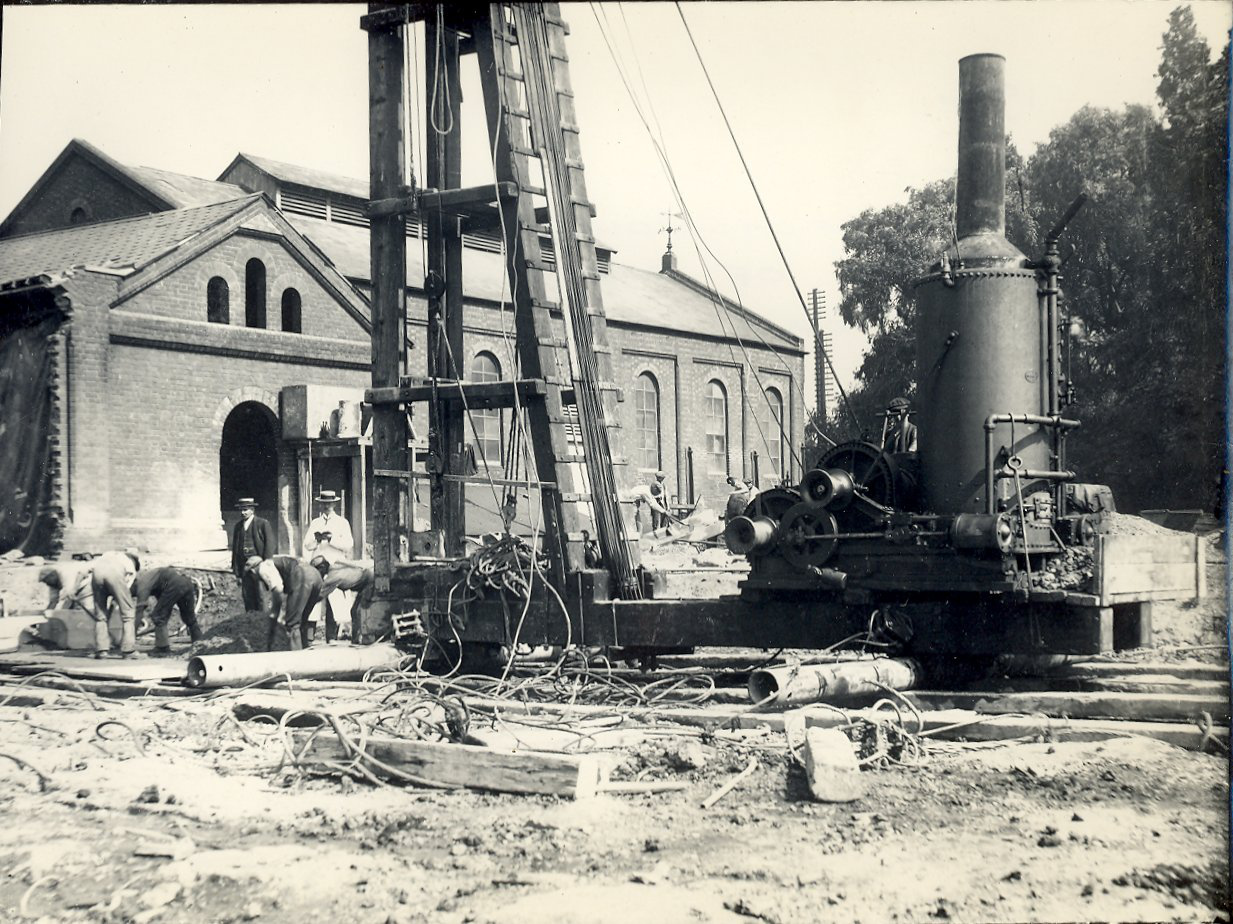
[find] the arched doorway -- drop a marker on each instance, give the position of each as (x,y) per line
(248,462)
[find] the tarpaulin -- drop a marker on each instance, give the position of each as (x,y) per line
(26,405)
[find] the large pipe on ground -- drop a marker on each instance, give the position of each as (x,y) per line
(331,662)
(815,683)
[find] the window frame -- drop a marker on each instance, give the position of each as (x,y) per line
(656,431)
(215,302)
(255,296)
(481,435)
(715,451)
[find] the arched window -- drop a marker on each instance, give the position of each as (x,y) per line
(716,406)
(218,301)
(291,311)
(485,368)
(79,215)
(773,432)
(646,421)
(254,293)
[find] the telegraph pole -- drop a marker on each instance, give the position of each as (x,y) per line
(821,345)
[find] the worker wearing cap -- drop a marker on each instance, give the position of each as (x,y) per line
(295,588)
(69,586)
(900,431)
(251,536)
(659,491)
(354,576)
(171,588)
(646,506)
(112,581)
(738,500)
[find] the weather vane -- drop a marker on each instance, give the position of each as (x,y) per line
(669,228)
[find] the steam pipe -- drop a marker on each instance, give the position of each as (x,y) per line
(1058,423)
(980,192)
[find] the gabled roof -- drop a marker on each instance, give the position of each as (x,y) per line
(631,295)
(185,192)
(83,149)
(304,176)
(121,246)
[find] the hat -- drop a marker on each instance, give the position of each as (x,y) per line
(328,497)
(318,561)
(899,404)
(252,562)
(245,502)
(661,474)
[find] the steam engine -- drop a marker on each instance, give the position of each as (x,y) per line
(977,514)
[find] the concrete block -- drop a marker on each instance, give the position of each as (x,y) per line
(831,767)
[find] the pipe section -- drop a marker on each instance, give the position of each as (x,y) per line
(330,662)
(815,683)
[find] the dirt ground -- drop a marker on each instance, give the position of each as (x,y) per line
(168,810)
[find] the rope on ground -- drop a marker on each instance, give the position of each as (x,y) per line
(45,782)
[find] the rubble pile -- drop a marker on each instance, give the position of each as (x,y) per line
(1072,570)
(238,635)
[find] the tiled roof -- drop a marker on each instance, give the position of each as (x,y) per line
(631,295)
(306,176)
(118,245)
(185,192)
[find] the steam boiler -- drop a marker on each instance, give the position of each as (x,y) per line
(973,542)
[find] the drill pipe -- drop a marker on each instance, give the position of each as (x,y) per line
(332,662)
(815,683)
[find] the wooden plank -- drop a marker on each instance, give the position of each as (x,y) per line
(151,669)
(458,766)
(1194,669)
(1094,705)
(947,724)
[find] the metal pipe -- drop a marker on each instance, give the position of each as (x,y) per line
(980,191)
(813,683)
(1036,475)
(327,662)
(744,535)
(991,422)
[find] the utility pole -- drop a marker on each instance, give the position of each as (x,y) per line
(821,345)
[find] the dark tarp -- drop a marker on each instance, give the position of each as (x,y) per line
(28,323)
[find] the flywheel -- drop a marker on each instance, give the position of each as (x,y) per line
(807,535)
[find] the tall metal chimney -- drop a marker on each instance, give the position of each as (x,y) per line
(980,190)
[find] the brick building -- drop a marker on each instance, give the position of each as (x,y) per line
(184,340)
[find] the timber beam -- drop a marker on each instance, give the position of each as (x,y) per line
(454,201)
(476,395)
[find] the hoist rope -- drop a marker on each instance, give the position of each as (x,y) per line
(766,215)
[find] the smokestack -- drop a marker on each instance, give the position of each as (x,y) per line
(980,193)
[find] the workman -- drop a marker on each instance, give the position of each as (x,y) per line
(659,490)
(171,588)
(738,500)
(251,536)
(354,576)
(295,588)
(591,556)
(900,431)
(646,506)
(329,535)
(69,586)
(112,582)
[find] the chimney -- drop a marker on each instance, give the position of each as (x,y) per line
(667,263)
(980,191)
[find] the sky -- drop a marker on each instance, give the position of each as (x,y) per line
(838,107)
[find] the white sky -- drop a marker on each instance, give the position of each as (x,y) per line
(839,106)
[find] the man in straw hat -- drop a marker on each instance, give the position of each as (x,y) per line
(329,536)
(251,536)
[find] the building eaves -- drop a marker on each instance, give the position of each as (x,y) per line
(734,307)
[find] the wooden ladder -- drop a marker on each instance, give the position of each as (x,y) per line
(543,353)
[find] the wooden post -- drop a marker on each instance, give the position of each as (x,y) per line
(389,280)
(448,432)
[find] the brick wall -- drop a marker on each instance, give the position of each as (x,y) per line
(79,184)
(182,294)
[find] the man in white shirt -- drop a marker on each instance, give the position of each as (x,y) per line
(329,536)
